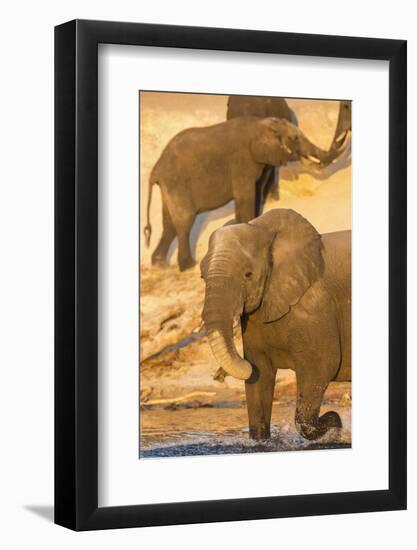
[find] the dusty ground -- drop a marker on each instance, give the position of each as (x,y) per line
(183,410)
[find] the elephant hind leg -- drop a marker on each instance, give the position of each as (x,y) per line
(159,256)
(308,421)
(183,220)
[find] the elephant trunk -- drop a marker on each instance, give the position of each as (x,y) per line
(314,156)
(223,303)
(344,125)
(340,139)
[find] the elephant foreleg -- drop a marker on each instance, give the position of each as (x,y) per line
(308,421)
(259,397)
(245,194)
(246,207)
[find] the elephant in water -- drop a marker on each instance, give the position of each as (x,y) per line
(290,290)
(204,168)
(241,105)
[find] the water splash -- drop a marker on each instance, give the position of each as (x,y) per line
(219,439)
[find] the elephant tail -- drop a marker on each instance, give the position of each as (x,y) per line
(147,231)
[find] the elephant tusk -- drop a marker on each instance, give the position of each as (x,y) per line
(287,149)
(312,158)
(237,336)
(341,136)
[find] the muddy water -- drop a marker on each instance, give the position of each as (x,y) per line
(224,430)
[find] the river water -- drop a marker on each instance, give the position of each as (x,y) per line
(224,430)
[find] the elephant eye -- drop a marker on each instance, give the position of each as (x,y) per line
(248,274)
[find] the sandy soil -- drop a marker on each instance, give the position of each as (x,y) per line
(177,368)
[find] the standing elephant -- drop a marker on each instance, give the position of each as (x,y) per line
(241,105)
(291,290)
(204,168)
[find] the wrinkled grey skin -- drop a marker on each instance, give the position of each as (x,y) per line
(262,107)
(204,168)
(290,288)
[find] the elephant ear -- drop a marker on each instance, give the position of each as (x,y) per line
(296,261)
(267,140)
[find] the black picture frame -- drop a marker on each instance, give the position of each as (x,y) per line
(76,272)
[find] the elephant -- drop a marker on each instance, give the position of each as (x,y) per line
(203,169)
(240,105)
(289,288)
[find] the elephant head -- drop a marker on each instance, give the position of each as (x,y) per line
(276,142)
(264,266)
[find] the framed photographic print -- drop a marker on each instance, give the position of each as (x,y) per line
(230,247)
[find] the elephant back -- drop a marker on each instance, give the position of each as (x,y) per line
(262,107)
